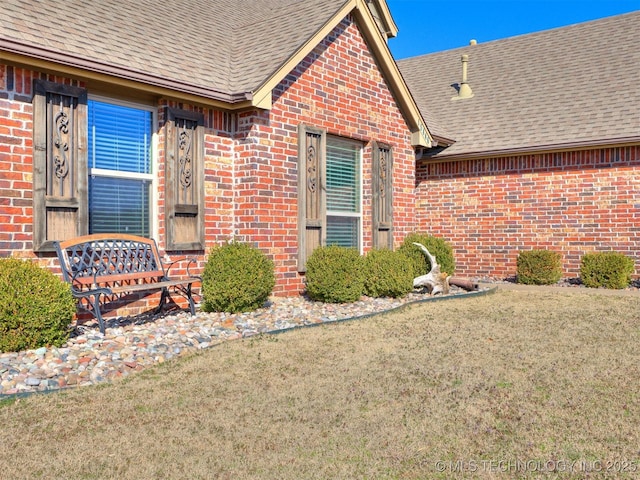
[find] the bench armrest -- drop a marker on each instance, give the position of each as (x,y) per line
(91,291)
(191,260)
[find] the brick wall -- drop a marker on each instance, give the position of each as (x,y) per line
(572,202)
(15,162)
(337,87)
(251,163)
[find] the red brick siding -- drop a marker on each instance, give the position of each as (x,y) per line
(250,158)
(15,163)
(572,203)
(337,87)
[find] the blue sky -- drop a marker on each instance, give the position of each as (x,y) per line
(428,26)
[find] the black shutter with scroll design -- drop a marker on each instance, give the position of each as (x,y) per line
(184,206)
(382,200)
(60,205)
(312,216)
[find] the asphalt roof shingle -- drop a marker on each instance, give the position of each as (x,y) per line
(572,85)
(265,41)
(226,47)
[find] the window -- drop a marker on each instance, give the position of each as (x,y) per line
(343,193)
(94,169)
(120,168)
(330,192)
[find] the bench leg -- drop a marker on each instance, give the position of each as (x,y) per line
(192,305)
(165,295)
(97,313)
(163,300)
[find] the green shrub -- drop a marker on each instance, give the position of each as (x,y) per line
(335,275)
(387,274)
(438,247)
(236,278)
(539,267)
(606,269)
(36,307)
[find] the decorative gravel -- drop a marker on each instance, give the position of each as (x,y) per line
(131,344)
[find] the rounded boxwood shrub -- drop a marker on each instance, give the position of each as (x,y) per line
(438,247)
(539,267)
(606,269)
(387,274)
(36,307)
(236,278)
(335,274)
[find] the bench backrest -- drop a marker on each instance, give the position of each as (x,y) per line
(109,258)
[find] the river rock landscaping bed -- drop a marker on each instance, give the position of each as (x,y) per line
(131,344)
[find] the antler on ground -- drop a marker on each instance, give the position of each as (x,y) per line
(435,281)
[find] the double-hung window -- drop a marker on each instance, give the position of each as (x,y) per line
(343,197)
(329,193)
(120,168)
(94,168)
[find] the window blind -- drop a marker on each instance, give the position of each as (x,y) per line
(119,205)
(120,167)
(343,193)
(119,138)
(342,231)
(343,180)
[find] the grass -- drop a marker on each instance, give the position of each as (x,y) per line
(514,384)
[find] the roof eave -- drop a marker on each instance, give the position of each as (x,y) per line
(420,133)
(383,9)
(85,68)
(558,147)
(440,140)
(262,95)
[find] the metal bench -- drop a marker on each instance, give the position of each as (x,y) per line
(113,265)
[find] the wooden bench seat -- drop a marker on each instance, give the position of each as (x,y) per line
(116,264)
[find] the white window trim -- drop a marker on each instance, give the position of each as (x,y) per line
(153,176)
(101,172)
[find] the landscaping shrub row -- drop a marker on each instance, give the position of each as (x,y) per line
(37,308)
(239,278)
(340,275)
(597,269)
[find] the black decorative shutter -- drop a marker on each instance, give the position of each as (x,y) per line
(60,178)
(312,216)
(382,199)
(184,196)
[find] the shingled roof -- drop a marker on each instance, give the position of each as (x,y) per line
(220,49)
(570,87)
(231,53)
